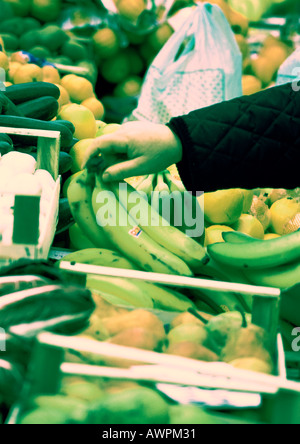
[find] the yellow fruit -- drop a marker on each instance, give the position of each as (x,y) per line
(4,61)
(46,10)
(64,98)
(106,43)
(251,85)
(264,69)
(95,106)
(79,88)
(13,68)
(276,53)
(131,9)
(82,118)
(51,74)
(253,364)
(282,214)
(78,152)
(68,182)
(223,207)
(160,36)
(19,58)
(108,129)
(249,225)
(131,87)
(27,74)
(271,236)
(213,234)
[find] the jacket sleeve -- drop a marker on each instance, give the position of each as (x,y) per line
(249,142)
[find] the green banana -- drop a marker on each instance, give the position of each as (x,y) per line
(279,277)
(174,184)
(164,196)
(190,202)
(258,254)
(228,274)
(125,290)
(147,186)
(79,196)
(235,237)
(219,301)
(155,196)
(161,186)
(130,239)
(163,233)
(102,258)
(140,182)
(165,299)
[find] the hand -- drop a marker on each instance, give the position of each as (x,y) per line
(136,149)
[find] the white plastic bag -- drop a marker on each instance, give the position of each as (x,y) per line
(289,71)
(208,71)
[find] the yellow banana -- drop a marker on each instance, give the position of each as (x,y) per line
(100,257)
(79,196)
(161,231)
(130,239)
(119,290)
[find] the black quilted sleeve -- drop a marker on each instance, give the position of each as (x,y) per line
(249,142)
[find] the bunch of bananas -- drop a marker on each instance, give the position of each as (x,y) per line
(273,263)
(125,292)
(154,245)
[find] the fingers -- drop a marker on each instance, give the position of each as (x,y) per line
(124,170)
(109,144)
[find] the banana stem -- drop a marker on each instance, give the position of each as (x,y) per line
(245,322)
(197,315)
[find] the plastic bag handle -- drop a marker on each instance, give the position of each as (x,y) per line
(171,48)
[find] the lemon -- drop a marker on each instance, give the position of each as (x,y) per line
(78,152)
(223,207)
(282,213)
(249,225)
(213,234)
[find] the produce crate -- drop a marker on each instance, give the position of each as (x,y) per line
(174,376)
(48,149)
(177,378)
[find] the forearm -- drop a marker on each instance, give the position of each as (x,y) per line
(247,143)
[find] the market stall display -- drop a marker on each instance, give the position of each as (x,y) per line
(100,323)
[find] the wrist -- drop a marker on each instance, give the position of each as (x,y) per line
(176,146)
